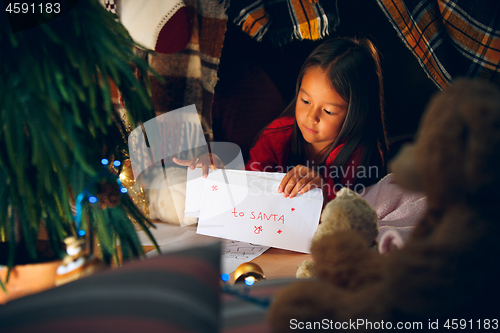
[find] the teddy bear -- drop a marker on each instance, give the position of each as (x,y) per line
(446,275)
(349,211)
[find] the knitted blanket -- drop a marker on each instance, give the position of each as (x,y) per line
(452,38)
(191,74)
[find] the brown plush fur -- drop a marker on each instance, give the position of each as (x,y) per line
(334,256)
(449,266)
(348,211)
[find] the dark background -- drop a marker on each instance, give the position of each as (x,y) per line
(257,79)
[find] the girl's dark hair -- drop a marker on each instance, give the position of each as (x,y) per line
(353,69)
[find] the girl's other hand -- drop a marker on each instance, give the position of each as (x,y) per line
(204,161)
(299,180)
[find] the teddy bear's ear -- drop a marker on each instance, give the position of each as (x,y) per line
(390,241)
(405,169)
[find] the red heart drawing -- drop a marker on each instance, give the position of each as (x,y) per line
(293,209)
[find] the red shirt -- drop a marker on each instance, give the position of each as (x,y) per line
(270,153)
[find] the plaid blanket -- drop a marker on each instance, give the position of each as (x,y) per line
(306,19)
(450,38)
(191,74)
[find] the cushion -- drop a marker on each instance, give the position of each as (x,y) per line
(244,309)
(167,196)
(175,292)
(160,25)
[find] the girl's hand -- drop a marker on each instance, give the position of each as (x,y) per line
(299,180)
(204,161)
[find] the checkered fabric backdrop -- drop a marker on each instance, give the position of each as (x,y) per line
(450,38)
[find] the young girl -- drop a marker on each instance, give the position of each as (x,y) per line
(335,136)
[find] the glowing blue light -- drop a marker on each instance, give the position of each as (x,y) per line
(92,199)
(117,163)
(249,281)
(224,277)
(123,190)
(81,233)
(104,161)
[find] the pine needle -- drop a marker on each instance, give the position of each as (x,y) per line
(58,122)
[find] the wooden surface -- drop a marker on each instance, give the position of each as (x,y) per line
(28,279)
(275,263)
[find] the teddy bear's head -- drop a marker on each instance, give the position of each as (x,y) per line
(456,156)
(349,211)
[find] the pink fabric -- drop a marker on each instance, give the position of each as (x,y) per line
(389,241)
(397,209)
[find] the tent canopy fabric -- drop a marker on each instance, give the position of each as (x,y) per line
(450,38)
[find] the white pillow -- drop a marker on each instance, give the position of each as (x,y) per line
(167,196)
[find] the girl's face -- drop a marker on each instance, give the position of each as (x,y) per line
(320,111)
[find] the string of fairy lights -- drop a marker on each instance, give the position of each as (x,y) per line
(246,273)
(244,294)
(125,182)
